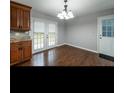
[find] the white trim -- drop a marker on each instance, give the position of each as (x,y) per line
(60,45)
(72,46)
(81,47)
(98,28)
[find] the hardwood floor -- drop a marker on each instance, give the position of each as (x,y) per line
(67,56)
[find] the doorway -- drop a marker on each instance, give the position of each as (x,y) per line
(105,37)
(44,34)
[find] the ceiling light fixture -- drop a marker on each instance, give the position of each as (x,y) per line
(65,14)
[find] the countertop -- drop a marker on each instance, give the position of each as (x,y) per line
(15,41)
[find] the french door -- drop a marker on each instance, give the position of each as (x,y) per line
(51,35)
(106,35)
(44,35)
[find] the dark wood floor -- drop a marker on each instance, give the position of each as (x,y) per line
(67,56)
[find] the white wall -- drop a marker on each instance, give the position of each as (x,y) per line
(61,28)
(82,31)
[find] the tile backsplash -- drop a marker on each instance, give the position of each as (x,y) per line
(19,35)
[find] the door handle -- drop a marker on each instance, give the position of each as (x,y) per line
(100,36)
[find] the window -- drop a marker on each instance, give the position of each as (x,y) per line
(108,28)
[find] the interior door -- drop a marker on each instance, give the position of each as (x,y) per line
(51,35)
(106,35)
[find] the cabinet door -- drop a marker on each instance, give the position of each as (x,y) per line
(27,50)
(25,20)
(20,17)
(14,17)
(14,54)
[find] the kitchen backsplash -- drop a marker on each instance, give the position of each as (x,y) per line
(19,35)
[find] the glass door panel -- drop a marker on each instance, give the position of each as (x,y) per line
(39,35)
(51,35)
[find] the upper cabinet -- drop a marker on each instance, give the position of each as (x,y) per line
(19,17)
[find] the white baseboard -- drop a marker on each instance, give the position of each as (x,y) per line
(60,45)
(81,47)
(74,46)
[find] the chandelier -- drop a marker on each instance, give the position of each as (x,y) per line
(65,14)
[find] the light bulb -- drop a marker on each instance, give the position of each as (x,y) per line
(63,13)
(67,17)
(60,16)
(70,14)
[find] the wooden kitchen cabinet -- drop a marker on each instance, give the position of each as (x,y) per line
(26,20)
(27,50)
(15,53)
(20,52)
(19,17)
(14,17)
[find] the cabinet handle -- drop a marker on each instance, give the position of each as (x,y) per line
(19,27)
(20,48)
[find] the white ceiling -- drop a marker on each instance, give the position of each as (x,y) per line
(79,7)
